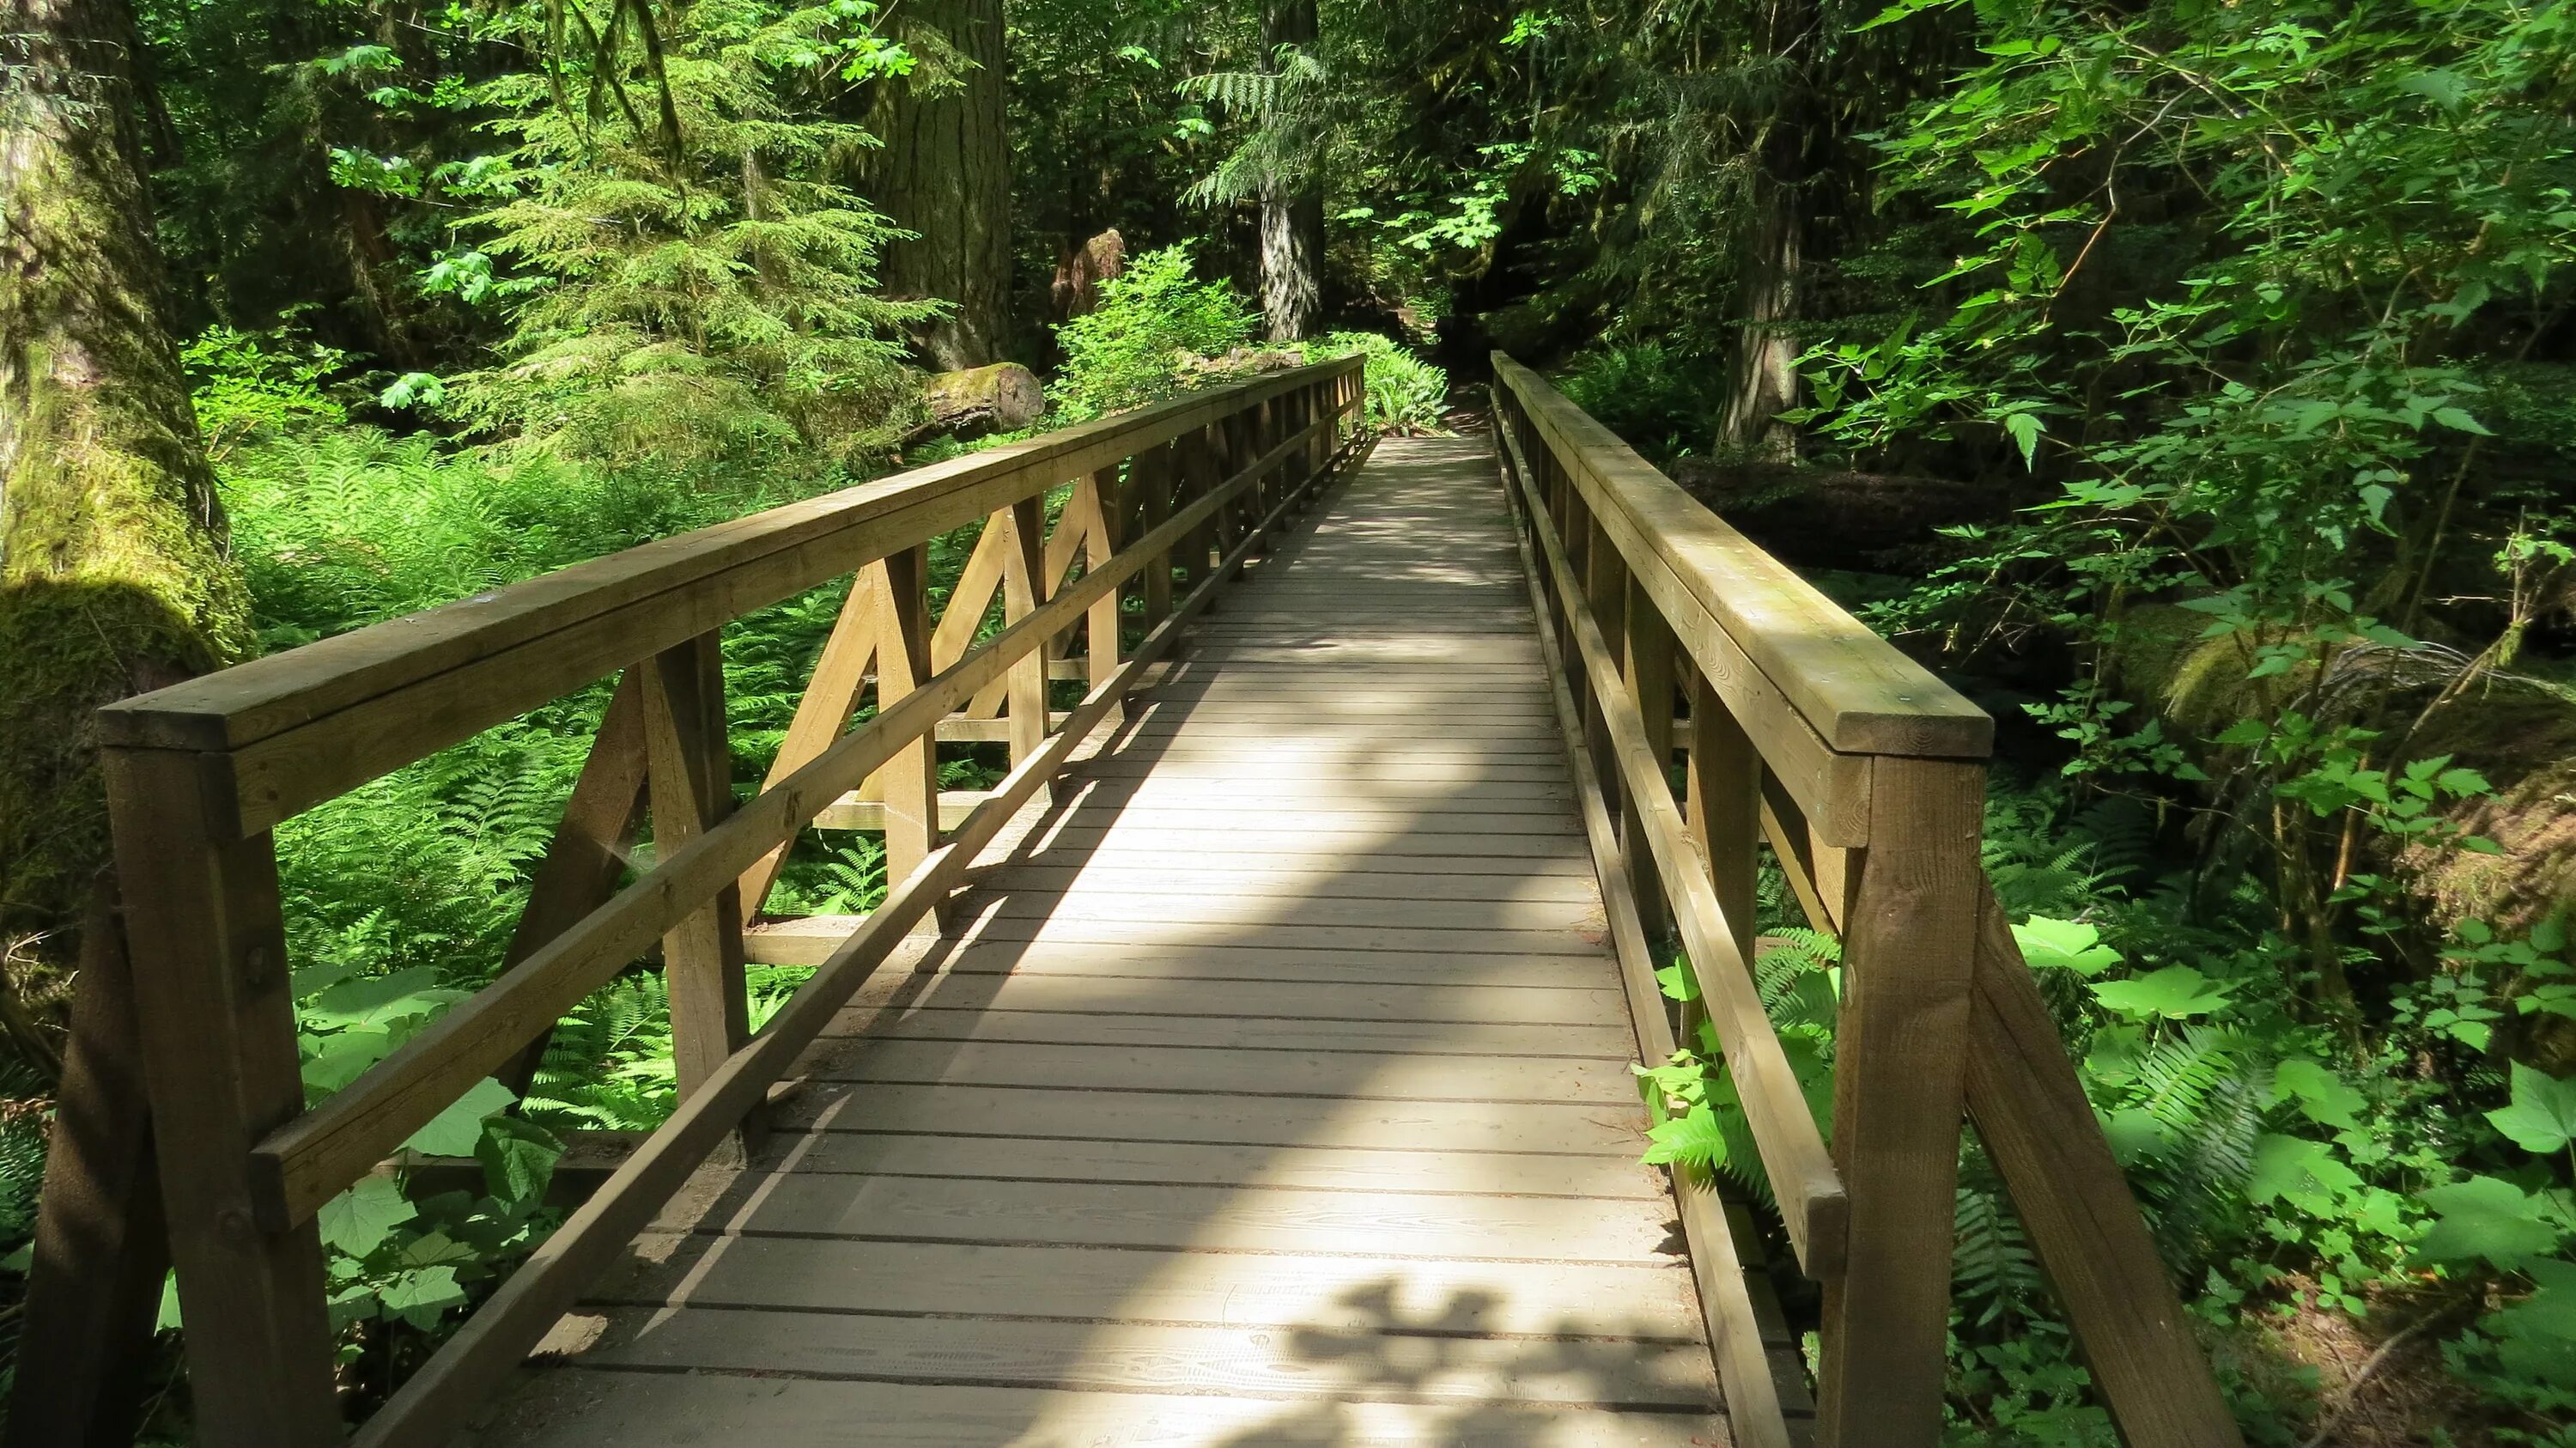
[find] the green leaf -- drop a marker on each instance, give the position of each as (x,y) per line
(359,1220)
(2064,945)
(418,1297)
(2542,1118)
(2454,418)
(2323,1096)
(2305,1174)
(518,1158)
(1692,1140)
(2536,1337)
(1678,982)
(2173,993)
(454,1132)
(2487,1217)
(2025,430)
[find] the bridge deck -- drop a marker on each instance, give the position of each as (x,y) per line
(1272,1090)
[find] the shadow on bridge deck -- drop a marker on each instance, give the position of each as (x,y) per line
(1272,1088)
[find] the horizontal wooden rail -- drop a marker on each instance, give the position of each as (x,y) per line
(1749,620)
(1810,1193)
(314,722)
(197,775)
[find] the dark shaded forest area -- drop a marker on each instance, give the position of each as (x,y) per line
(2193,384)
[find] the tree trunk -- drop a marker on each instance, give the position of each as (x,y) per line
(113,569)
(1765,380)
(945,172)
(1292,212)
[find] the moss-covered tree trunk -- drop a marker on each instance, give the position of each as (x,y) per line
(1292,212)
(945,172)
(113,570)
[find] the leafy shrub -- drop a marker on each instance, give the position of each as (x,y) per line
(1405,393)
(254,386)
(1659,399)
(1152,318)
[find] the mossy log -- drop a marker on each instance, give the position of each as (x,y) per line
(114,575)
(979,400)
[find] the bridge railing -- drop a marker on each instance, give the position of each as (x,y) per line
(1683,648)
(1171,497)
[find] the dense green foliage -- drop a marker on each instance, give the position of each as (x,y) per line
(2247,328)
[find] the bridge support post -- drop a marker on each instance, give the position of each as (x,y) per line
(691,773)
(909,782)
(215,1013)
(1901,1050)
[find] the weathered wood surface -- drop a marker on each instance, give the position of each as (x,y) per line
(1270,1090)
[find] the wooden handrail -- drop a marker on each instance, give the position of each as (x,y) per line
(198,773)
(314,722)
(1864,775)
(1856,692)
(1803,1180)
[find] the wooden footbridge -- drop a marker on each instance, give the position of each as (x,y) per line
(1250,1066)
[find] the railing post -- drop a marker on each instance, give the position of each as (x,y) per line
(1722,800)
(1102,644)
(909,782)
(1155,473)
(1909,952)
(1199,464)
(1648,662)
(1023,580)
(215,1013)
(691,773)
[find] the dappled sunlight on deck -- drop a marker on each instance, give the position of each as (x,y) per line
(1271,1089)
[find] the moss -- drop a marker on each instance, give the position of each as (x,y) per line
(113,572)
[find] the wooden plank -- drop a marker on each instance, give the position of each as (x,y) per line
(1227,1218)
(1250,1361)
(1900,1061)
(1025,582)
(831,697)
(1201,878)
(1036,1159)
(1289,914)
(1101,642)
(1381,938)
(1649,1301)
(664,1410)
(1851,686)
(1569,1007)
(1350,1075)
(1248,1121)
(909,783)
(216,1020)
(692,789)
(2038,1127)
(1316,839)
(853,812)
(1123,1016)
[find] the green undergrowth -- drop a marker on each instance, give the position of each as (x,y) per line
(2414,1185)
